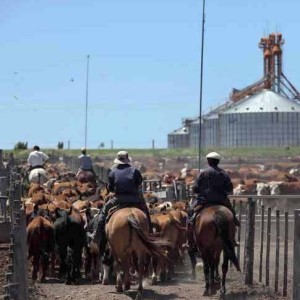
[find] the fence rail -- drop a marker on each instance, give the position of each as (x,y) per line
(16,286)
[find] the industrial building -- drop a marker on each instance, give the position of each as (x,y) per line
(264,114)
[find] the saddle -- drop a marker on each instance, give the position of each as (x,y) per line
(198,208)
(118,207)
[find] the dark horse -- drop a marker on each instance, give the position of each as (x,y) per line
(214,232)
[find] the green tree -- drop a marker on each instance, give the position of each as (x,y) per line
(21,146)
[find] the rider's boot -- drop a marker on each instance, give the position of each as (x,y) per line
(190,244)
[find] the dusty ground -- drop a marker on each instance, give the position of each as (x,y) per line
(178,288)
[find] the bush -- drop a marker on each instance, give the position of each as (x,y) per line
(21,146)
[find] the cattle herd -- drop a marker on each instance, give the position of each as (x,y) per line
(62,213)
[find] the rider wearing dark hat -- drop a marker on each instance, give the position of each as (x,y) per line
(212,186)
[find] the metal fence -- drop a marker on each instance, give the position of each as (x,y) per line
(16,287)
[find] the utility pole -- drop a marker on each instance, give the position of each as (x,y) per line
(201,84)
(86,100)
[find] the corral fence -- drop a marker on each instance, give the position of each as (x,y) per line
(269,239)
(13,225)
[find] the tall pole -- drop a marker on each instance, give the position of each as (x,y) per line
(86,100)
(201,83)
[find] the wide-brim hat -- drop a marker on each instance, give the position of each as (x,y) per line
(213,155)
(122,158)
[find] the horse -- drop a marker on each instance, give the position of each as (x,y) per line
(127,235)
(38,175)
(213,232)
(86,176)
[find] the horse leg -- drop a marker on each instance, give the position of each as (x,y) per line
(126,268)
(193,262)
(224,273)
(155,269)
(119,286)
(35,264)
(206,275)
(217,277)
(141,271)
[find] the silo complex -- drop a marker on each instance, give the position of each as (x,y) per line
(264,114)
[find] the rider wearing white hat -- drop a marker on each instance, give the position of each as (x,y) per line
(212,186)
(125,181)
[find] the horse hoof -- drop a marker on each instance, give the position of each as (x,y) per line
(119,289)
(127,287)
(222,291)
(68,282)
(105,282)
(153,281)
(163,277)
(206,293)
(43,280)
(138,295)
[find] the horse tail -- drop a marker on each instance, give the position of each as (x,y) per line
(176,222)
(154,247)
(222,225)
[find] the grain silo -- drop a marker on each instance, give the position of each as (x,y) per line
(264,114)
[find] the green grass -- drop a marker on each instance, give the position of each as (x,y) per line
(173,153)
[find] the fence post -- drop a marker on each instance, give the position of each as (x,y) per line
(249,246)
(20,254)
(239,232)
(262,228)
(277,251)
(285,255)
(296,267)
(268,246)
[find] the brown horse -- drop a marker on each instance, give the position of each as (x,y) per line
(127,235)
(86,176)
(214,232)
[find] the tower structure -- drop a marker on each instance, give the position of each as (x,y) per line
(273,78)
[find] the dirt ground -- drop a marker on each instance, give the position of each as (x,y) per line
(181,287)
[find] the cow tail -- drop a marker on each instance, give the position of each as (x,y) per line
(222,226)
(155,247)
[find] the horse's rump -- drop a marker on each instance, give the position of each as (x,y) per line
(85,176)
(127,233)
(38,175)
(215,231)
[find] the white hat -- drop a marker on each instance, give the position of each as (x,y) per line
(122,158)
(213,155)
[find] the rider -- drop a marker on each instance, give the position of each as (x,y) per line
(212,186)
(36,159)
(125,181)
(85,162)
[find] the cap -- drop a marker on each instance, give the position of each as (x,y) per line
(213,155)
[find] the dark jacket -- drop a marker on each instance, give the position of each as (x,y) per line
(213,185)
(125,181)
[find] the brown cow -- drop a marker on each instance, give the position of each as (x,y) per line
(172,228)
(40,241)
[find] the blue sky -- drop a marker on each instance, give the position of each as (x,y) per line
(144,65)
